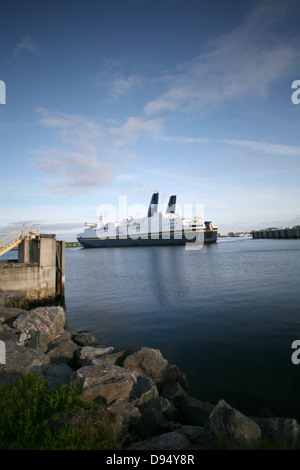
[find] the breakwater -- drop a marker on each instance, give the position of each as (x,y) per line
(277,233)
(142,400)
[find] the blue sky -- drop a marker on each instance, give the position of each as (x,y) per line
(115,98)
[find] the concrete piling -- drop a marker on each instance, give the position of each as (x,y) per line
(39,270)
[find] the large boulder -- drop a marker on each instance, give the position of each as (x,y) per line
(173,374)
(157,417)
(13,298)
(48,320)
(193,411)
(284,432)
(10,313)
(173,391)
(149,362)
(21,360)
(89,355)
(57,375)
(85,339)
(63,349)
(126,416)
(230,427)
(111,383)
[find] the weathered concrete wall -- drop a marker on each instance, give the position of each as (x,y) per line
(40,270)
(38,282)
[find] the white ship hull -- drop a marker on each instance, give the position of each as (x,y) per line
(157,229)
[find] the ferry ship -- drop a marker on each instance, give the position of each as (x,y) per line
(155,229)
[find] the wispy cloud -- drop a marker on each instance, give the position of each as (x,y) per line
(182,139)
(90,153)
(26,45)
(119,84)
(251,145)
(78,172)
(246,60)
(265,147)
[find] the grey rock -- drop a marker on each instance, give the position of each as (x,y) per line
(195,434)
(9,334)
(14,298)
(111,383)
(193,411)
(172,374)
(143,391)
(48,320)
(85,339)
(168,409)
(152,423)
(282,431)
(166,441)
(173,391)
(63,349)
(149,362)
(9,313)
(34,339)
(157,416)
(39,341)
(57,375)
(114,357)
(229,426)
(126,417)
(21,360)
(89,355)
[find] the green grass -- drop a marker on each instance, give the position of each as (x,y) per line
(32,417)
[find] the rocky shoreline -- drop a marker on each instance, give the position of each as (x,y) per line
(142,401)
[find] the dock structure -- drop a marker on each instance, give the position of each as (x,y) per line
(39,269)
(274,232)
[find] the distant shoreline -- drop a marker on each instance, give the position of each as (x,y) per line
(72,244)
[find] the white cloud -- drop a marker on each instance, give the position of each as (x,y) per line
(78,173)
(83,161)
(135,126)
(182,139)
(120,85)
(26,45)
(246,60)
(266,147)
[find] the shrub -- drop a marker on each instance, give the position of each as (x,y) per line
(33,417)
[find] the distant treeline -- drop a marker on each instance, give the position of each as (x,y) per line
(68,244)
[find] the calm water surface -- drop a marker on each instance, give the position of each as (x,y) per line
(226,315)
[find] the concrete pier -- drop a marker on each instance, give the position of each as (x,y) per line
(274,232)
(39,270)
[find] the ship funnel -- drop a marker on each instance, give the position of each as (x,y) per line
(171,205)
(153,205)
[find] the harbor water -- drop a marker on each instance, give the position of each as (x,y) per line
(226,315)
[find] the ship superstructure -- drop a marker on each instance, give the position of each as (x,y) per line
(156,228)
